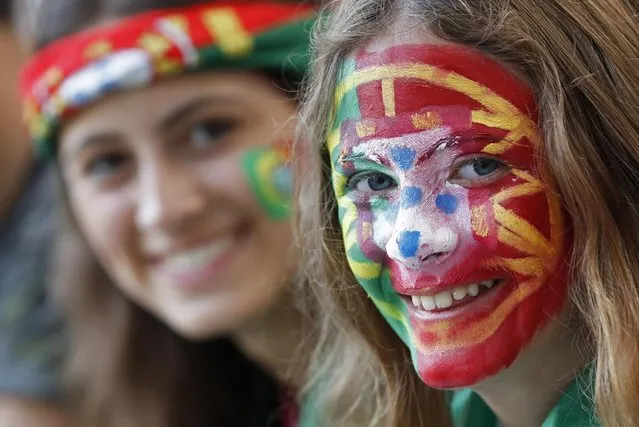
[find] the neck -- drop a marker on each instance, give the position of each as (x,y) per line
(524,394)
(273,340)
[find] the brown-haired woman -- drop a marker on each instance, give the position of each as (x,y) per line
(484,160)
(170,124)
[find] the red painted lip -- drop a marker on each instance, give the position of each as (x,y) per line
(416,283)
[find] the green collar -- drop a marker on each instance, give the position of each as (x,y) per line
(574,409)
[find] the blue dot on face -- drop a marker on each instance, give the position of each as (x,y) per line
(446,203)
(403,157)
(411,196)
(408,243)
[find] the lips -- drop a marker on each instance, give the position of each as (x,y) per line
(188,261)
(198,264)
(460,296)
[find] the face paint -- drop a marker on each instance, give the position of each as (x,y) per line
(270,178)
(446,221)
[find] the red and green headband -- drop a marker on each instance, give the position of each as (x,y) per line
(76,71)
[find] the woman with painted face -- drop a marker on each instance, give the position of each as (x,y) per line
(170,123)
(484,162)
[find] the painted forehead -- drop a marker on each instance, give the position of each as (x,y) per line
(415,89)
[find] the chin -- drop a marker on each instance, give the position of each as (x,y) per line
(196,327)
(208,322)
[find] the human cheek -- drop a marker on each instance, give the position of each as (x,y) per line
(269,177)
(107,223)
(512,217)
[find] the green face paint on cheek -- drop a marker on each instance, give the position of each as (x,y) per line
(357,223)
(270,179)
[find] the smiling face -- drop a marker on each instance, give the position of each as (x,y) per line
(181,189)
(446,220)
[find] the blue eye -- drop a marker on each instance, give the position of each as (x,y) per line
(480,169)
(368,182)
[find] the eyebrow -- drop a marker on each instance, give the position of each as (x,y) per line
(96,139)
(191,107)
(166,123)
(439,145)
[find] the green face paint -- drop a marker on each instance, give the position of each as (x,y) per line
(360,231)
(271,180)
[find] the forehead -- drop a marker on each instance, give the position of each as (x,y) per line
(404,89)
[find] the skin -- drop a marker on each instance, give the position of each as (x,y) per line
(439,187)
(173,179)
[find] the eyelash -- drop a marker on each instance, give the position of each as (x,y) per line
(220,127)
(359,177)
(501,169)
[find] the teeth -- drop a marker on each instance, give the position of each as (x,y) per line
(416,301)
(445,299)
(428,303)
(473,290)
(489,283)
(459,293)
(198,258)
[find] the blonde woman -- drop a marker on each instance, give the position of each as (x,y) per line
(483,158)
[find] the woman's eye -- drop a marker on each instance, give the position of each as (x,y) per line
(205,133)
(480,169)
(371,182)
(106,164)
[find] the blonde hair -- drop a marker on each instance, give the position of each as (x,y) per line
(582,61)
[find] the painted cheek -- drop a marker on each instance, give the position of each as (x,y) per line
(270,179)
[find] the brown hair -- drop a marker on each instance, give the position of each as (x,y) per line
(582,61)
(127,368)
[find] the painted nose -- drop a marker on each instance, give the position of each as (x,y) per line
(420,238)
(419,248)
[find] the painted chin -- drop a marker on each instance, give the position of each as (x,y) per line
(460,345)
(205,267)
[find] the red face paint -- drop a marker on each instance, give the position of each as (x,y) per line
(473,240)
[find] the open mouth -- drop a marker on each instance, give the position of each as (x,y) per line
(453,298)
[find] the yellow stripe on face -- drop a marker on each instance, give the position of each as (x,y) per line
(392,312)
(479,221)
(265,168)
(501,113)
(451,338)
(365,270)
(350,216)
(388,97)
(523,229)
(332,141)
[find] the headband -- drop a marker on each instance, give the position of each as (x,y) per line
(78,70)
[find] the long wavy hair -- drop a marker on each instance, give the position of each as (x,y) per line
(581,58)
(126,368)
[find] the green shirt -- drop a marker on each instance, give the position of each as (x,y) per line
(574,409)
